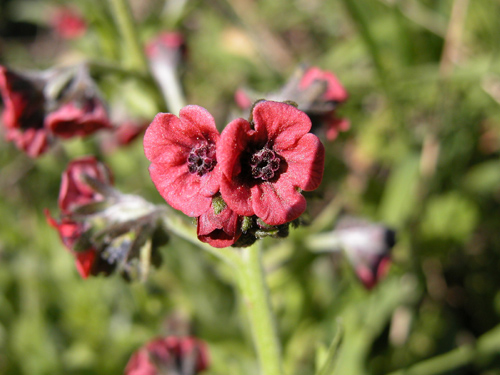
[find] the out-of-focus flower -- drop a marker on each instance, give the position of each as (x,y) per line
(78,118)
(68,23)
(368,248)
(75,190)
(165,53)
(182,152)
(40,106)
(317,92)
(166,45)
(74,106)
(104,229)
(71,233)
(267,162)
(171,355)
(122,135)
(24,111)
(219,226)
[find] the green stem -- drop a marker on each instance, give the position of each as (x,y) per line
(443,363)
(257,302)
(123,16)
(486,347)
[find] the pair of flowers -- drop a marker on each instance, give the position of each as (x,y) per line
(255,168)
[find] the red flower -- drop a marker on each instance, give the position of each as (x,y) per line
(74,190)
(78,119)
(334,90)
(181,355)
(70,233)
(335,94)
(219,230)
(23,113)
(182,151)
(68,23)
(165,42)
(264,165)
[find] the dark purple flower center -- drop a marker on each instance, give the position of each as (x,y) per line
(264,163)
(201,159)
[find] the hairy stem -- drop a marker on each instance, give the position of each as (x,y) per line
(258,305)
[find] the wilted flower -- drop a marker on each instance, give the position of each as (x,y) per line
(75,190)
(103,228)
(169,356)
(24,111)
(368,247)
(267,162)
(317,92)
(182,152)
(55,103)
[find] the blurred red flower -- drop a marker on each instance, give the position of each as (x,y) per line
(23,113)
(68,23)
(78,118)
(70,233)
(75,190)
(170,355)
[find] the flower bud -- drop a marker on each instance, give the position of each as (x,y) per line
(368,247)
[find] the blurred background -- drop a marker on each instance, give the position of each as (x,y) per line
(422,156)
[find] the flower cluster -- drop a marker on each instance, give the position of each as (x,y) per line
(249,176)
(104,229)
(57,103)
(317,92)
(171,355)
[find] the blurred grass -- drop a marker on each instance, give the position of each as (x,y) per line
(423,155)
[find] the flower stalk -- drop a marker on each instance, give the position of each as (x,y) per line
(123,16)
(257,301)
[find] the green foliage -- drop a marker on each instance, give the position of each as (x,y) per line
(422,155)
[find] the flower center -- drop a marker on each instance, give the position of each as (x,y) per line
(201,159)
(264,164)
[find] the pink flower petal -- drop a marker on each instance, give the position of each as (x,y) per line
(305,162)
(277,203)
(283,124)
(180,188)
(234,140)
